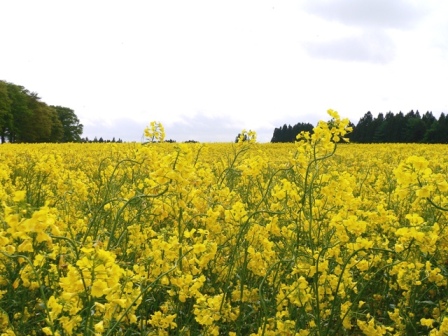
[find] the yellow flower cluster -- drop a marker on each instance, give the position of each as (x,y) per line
(320,237)
(155,132)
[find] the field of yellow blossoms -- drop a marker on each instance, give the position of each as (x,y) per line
(310,238)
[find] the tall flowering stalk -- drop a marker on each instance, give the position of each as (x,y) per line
(154,132)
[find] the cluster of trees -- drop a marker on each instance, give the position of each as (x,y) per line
(385,128)
(96,139)
(24,118)
(289,133)
(410,127)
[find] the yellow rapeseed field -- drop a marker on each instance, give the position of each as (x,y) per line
(310,238)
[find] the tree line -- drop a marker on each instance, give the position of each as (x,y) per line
(385,128)
(100,140)
(25,118)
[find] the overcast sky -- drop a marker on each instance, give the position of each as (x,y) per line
(207,69)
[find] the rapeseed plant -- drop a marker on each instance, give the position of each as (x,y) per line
(319,237)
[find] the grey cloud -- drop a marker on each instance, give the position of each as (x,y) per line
(125,129)
(199,127)
(374,47)
(210,129)
(399,14)
(373,18)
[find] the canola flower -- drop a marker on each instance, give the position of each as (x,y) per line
(320,237)
(154,132)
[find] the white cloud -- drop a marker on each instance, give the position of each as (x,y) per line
(252,64)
